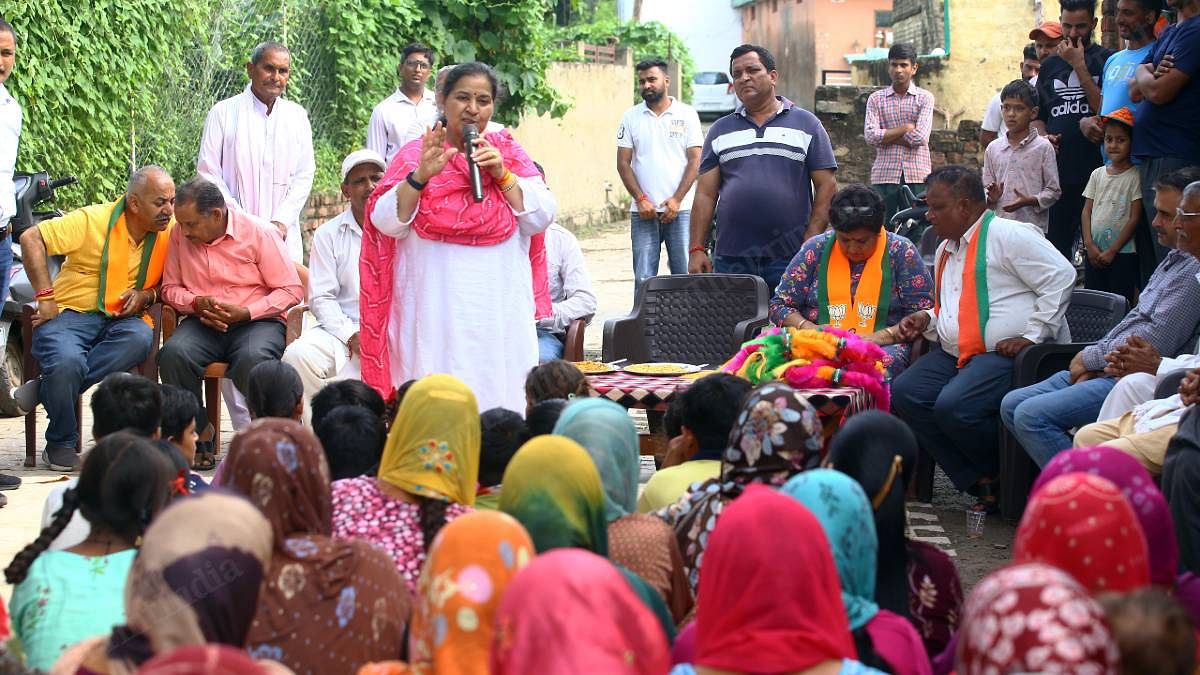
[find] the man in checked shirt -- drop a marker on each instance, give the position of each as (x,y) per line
(898,122)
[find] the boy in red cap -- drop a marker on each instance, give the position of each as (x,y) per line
(1110,214)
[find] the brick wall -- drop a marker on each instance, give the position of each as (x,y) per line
(320,208)
(842,110)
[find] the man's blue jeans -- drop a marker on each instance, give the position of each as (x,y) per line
(952,411)
(76,350)
(648,238)
(6,260)
(550,347)
(769,269)
(1040,415)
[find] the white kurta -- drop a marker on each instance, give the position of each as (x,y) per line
(467,310)
(263,163)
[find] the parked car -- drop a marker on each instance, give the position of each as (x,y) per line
(712,93)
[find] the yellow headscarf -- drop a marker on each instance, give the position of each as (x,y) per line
(552,487)
(433,448)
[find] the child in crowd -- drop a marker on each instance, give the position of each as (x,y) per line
(1110,214)
(553,379)
(698,423)
(275,390)
(120,402)
(504,432)
(346,392)
(542,416)
(352,437)
(1153,631)
(62,597)
(178,428)
(1020,168)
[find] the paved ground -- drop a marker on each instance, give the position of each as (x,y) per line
(942,523)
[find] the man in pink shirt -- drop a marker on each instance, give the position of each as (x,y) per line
(230,276)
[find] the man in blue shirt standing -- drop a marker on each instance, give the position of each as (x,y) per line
(772,166)
(1167,135)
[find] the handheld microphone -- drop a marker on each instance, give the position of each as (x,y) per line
(469,134)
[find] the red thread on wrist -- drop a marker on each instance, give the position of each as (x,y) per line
(696,249)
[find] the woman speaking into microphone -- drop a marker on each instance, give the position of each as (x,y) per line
(450,284)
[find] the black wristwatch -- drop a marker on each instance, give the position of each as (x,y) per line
(417,185)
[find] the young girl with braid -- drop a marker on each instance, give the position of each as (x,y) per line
(62,597)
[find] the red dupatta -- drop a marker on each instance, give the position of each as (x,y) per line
(446,212)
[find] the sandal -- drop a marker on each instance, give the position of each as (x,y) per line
(206,457)
(986,497)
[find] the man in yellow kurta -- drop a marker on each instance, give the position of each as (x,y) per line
(91,320)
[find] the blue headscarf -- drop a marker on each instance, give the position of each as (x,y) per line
(605,430)
(838,501)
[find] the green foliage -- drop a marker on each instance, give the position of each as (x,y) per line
(647,39)
(112,83)
(88,75)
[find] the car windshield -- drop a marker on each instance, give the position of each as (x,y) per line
(710,77)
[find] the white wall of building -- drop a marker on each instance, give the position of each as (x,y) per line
(710,28)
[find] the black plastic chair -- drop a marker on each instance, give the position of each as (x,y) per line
(1090,316)
(689,318)
(1168,385)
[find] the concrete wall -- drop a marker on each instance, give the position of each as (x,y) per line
(843,27)
(842,109)
(710,28)
(579,151)
(986,39)
(785,27)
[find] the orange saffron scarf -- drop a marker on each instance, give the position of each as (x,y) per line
(114,264)
(973,303)
(870,299)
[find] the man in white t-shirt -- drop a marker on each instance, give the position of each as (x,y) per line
(658,157)
(410,107)
(993,122)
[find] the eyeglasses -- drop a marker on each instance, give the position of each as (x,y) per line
(418,65)
(1180,213)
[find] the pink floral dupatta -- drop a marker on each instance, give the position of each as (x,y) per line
(446,212)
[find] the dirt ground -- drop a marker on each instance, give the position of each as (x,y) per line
(607,252)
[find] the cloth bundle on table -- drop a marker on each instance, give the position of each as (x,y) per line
(813,359)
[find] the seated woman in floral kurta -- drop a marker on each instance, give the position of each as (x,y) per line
(847,279)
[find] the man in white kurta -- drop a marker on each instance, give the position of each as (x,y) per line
(257,147)
(322,351)
(404,116)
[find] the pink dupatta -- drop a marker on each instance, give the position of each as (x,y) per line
(446,212)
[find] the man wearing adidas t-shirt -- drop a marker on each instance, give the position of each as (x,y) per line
(1069,90)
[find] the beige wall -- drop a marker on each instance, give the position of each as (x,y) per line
(579,151)
(986,39)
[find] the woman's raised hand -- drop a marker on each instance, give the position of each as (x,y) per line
(434,153)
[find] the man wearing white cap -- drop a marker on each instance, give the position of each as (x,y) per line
(323,351)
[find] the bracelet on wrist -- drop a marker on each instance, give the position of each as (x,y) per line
(411,179)
(646,199)
(45,294)
(697,249)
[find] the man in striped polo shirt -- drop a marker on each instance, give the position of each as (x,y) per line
(772,167)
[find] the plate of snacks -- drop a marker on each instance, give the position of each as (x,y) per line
(669,369)
(594,367)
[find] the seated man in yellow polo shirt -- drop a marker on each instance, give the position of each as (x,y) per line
(90,322)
